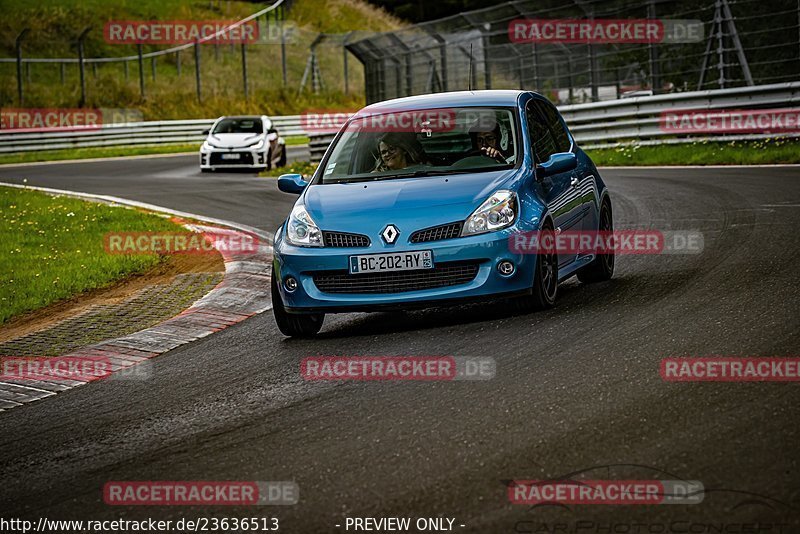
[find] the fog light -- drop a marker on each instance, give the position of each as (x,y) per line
(505,268)
(290,284)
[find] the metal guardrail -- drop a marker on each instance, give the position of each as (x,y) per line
(594,125)
(130,134)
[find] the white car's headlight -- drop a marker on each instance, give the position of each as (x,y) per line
(208,146)
(256,145)
(497,212)
(302,231)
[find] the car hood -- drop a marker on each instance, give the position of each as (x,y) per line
(232,140)
(409,203)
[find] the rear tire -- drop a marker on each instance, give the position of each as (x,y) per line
(545,279)
(293,324)
(602,267)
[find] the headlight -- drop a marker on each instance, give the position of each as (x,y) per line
(256,145)
(208,146)
(302,231)
(497,212)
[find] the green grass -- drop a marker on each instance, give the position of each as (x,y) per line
(769,151)
(56,24)
(53,248)
(95,152)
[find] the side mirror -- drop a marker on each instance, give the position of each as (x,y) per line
(292,183)
(558,163)
(205,132)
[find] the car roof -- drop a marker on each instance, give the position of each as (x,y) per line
(495,97)
(242,116)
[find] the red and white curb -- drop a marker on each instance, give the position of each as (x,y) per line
(242,293)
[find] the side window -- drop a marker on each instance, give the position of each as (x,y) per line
(544,145)
(556,125)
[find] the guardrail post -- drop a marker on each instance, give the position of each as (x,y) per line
(18,48)
(283,44)
(655,74)
(197,70)
(82,66)
(344,56)
(141,69)
(244,69)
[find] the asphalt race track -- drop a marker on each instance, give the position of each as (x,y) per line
(577,387)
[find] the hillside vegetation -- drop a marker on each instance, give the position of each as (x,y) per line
(55,25)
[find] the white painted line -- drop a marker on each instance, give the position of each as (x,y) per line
(696,167)
(90,160)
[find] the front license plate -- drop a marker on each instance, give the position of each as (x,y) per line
(399,261)
(231,156)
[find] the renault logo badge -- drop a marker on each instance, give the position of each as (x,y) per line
(390,234)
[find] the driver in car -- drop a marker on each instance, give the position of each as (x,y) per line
(486,135)
(399,150)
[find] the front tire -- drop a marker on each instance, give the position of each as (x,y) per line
(293,324)
(602,267)
(545,277)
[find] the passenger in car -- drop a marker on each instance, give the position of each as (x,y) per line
(398,150)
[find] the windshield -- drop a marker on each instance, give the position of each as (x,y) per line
(419,143)
(239,125)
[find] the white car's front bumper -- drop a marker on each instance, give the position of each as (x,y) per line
(237,158)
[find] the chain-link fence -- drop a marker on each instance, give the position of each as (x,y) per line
(738,43)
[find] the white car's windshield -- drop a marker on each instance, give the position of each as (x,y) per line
(239,125)
(422,143)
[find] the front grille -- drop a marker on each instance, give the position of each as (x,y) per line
(437,233)
(246,158)
(343,239)
(442,275)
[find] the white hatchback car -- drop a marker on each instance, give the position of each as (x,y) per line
(237,143)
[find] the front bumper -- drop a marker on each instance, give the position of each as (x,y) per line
(486,251)
(247,159)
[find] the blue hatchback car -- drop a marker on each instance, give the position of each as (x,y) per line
(417,199)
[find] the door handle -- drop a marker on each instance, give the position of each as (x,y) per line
(575,182)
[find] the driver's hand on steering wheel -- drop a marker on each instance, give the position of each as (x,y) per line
(492,153)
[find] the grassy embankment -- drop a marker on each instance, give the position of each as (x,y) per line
(53,248)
